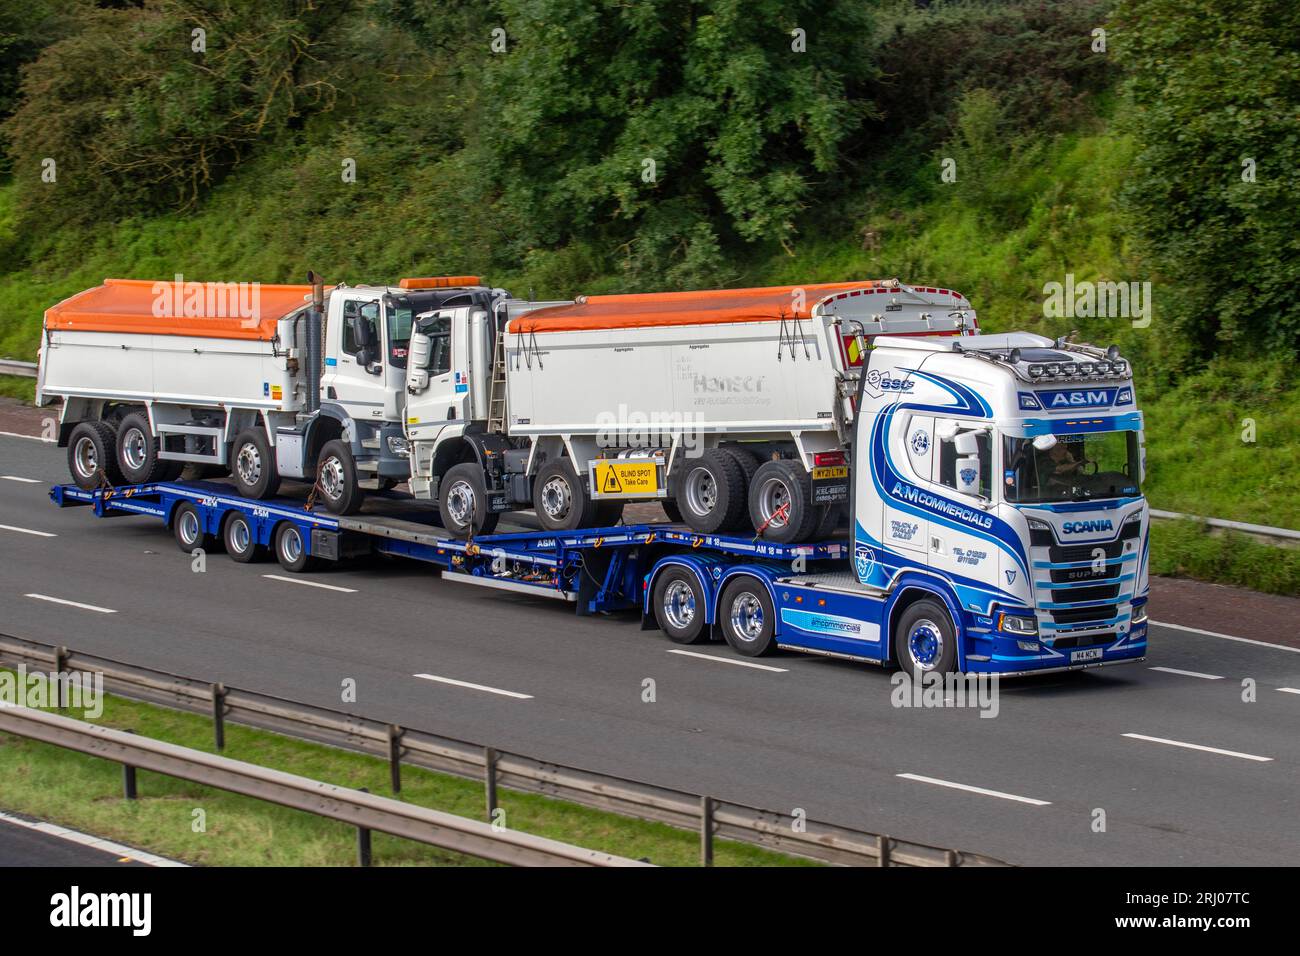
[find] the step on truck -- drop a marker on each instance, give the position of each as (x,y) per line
(732,408)
(996,525)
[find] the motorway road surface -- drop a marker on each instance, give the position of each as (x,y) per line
(1184,770)
(21,844)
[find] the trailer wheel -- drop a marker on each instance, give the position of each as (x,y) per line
(91,450)
(187,526)
(291,550)
(137,451)
(559,499)
(679,606)
(780,502)
(462,501)
(336,477)
(252,465)
(711,491)
(240,541)
(747,618)
(925,640)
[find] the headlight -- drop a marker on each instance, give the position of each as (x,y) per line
(1035,371)
(399,446)
(1140,614)
(1016,624)
(1039,525)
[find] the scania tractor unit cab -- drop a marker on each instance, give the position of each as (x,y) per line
(998,484)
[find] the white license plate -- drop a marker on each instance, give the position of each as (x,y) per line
(1092,654)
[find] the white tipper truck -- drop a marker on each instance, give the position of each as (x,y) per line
(732,408)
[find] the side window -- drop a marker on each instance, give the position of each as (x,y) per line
(439,329)
(369,312)
(947,461)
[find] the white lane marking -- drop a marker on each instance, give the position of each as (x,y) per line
(980,790)
(1228,637)
(25,481)
(310,584)
(85,839)
(467,684)
(1290,690)
(1210,750)
(84,607)
(1175,670)
(48,441)
(727,660)
(39,534)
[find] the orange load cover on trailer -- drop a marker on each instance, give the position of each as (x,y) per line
(709,307)
(221,310)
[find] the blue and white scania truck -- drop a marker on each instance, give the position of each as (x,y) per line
(995,521)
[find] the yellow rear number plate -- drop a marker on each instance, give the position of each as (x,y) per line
(830,472)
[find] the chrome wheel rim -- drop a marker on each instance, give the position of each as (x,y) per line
(557,498)
(747,617)
(240,535)
(189,527)
(85,458)
(134,448)
(772,497)
(925,645)
(248,464)
(331,478)
(679,605)
(290,545)
(701,491)
(461,503)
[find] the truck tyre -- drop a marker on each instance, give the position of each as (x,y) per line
(137,451)
(671,511)
(252,465)
(92,451)
(747,618)
(463,501)
(559,498)
(749,465)
(187,526)
(679,606)
(291,549)
(925,640)
(336,478)
(779,484)
(711,491)
(239,540)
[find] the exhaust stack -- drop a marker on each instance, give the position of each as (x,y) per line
(315,341)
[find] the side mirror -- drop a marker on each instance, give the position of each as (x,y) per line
(362,332)
(967,445)
(968,475)
(1045,442)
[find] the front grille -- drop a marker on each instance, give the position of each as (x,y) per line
(1068,575)
(1087,640)
(1084,552)
(1104,592)
(1077,615)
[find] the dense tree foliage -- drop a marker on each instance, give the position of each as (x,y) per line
(1214,102)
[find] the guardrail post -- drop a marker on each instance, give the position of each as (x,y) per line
(395,734)
(882,850)
(952,857)
(490,779)
(61,669)
(128,777)
(219,715)
(706,831)
(363,842)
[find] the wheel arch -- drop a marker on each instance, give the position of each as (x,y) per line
(911,588)
(765,575)
(702,567)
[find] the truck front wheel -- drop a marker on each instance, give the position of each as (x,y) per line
(252,465)
(925,640)
(462,501)
(336,477)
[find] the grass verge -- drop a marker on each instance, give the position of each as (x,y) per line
(85,793)
(1190,549)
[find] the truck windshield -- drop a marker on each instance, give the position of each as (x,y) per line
(1076,468)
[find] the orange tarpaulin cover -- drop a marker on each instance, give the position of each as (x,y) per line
(708,307)
(223,310)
